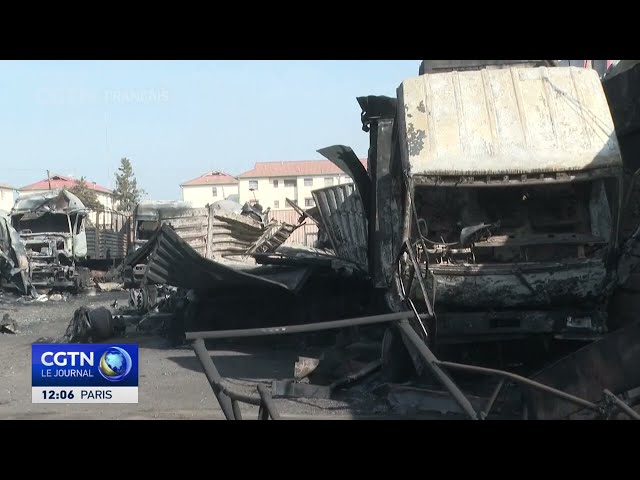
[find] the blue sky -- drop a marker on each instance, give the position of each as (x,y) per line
(178,119)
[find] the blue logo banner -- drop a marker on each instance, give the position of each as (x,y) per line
(84,365)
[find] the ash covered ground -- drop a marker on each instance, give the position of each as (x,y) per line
(172,384)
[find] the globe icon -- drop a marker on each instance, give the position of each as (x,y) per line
(115,364)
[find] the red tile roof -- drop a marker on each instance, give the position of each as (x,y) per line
(294,169)
(212,178)
(61,181)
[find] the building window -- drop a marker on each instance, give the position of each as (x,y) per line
(275,184)
(308,182)
(253,184)
(276,203)
(214,191)
(308,202)
(328,181)
(289,183)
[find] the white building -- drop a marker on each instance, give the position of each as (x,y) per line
(271,183)
(105,196)
(6,197)
(209,188)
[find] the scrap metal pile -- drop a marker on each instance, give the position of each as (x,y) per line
(478,251)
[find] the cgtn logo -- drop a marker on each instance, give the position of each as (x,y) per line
(115,364)
(83,366)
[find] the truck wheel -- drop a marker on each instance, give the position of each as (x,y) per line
(397,366)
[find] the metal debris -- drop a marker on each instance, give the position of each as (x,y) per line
(110,287)
(8,324)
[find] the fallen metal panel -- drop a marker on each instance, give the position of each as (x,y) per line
(344,220)
(506,121)
(610,363)
(305,234)
(274,236)
(345,159)
(174,262)
(230,232)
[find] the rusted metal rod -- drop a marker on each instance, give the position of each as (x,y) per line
(492,400)
(517,378)
(310,327)
(623,406)
(267,402)
(235,406)
(433,364)
(215,380)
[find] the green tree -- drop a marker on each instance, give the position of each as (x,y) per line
(127,192)
(86,194)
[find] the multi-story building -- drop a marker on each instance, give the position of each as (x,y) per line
(271,183)
(6,197)
(105,196)
(209,188)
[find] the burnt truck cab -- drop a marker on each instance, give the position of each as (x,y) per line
(509,183)
(51,226)
(147,217)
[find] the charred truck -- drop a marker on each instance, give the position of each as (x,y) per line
(493,198)
(51,226)
(14,263)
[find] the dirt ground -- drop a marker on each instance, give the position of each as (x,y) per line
(171,384)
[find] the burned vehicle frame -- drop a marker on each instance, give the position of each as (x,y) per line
(14,263)
(51,226)
(506,185)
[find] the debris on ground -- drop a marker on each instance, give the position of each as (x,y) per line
(110,287)
(8,324)
(88,326)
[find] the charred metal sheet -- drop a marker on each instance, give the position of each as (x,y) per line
(438,66)
(14,263)
(378,117)
(547,284)
(610,363)
(230,232)
(623,94)
(173,262)
(506,121)
(467,327)
(344,221)
(156,210)
(298,256)
(345,159)
(53,201)
(274,236)
(105,244)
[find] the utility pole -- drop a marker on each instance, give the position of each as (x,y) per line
(49,179)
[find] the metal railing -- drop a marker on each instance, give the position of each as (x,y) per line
(229,399)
